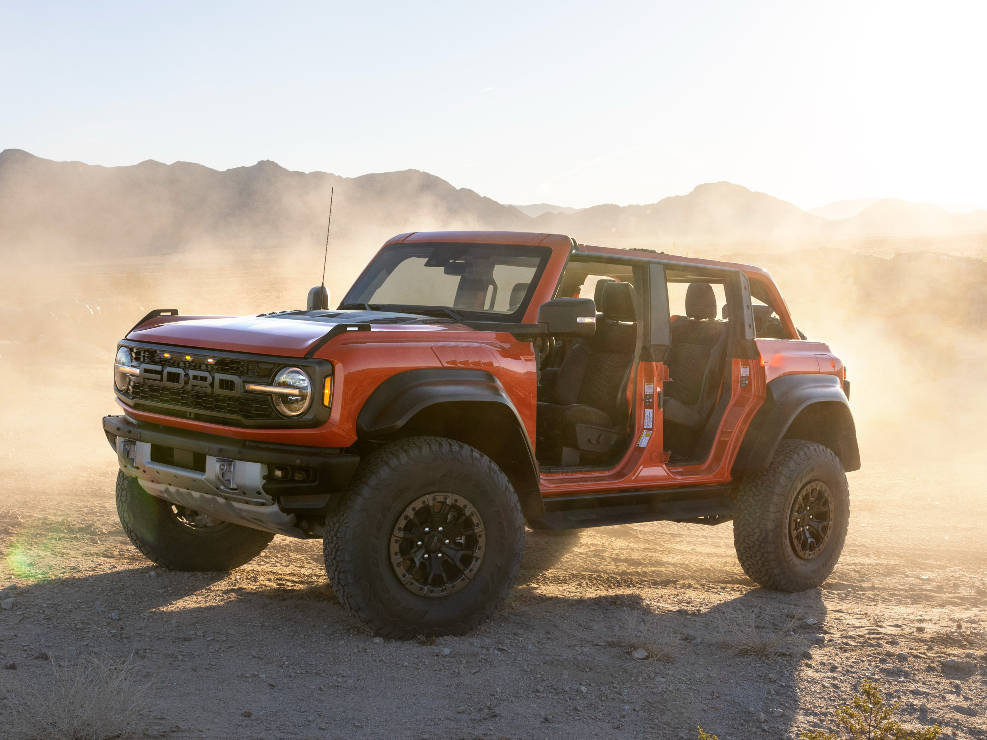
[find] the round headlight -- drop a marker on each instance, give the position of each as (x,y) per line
(297,403)
(123,359)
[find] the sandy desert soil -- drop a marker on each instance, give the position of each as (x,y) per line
(267,651)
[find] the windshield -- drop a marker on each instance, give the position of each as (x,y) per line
(455,280)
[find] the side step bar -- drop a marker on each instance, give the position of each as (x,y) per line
(697,505)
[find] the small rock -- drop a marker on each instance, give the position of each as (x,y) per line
(811,620)
(968,711)
(42,656)
(7,603)
(11,666)
(378,640)
(582,689)
(959,669)
(115,616)
(817,639)
(247,714)
(640,654)
(446,651)
(920,629)
(775,712)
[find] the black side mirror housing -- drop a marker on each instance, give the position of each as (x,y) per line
(318,299)
(570,317)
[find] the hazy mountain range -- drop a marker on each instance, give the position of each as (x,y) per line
(93,211)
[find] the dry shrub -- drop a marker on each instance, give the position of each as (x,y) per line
(763,640)
(634,629)
(870,717)
(88,701)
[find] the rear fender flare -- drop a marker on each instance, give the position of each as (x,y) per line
(802,406)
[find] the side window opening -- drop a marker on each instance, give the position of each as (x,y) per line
(697,391)
(585,410)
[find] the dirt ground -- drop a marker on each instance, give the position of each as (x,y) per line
(267,651)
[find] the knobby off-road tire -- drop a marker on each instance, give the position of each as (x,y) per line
(359,542)
(158,532)
(763,523)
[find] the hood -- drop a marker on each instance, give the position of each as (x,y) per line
(285,334)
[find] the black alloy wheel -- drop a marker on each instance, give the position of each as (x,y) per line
(437,544)
(810,520)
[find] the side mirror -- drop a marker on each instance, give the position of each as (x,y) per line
(318,299)
(573,317)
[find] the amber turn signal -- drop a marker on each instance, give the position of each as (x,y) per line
(327,392)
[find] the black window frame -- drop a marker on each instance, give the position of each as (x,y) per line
(471,316)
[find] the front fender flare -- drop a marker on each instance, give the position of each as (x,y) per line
(399,398)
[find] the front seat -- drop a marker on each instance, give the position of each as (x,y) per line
(585,416)
(695,361)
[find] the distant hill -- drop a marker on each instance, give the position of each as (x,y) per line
(537,209)
(76,210)
(843,208)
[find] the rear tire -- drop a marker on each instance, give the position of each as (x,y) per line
(376,546)
(791,519)
(169,538)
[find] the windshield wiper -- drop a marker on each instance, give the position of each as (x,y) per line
(454,315)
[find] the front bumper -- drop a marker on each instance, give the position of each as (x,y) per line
(231,479)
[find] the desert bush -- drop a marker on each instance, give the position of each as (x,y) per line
(89,701)
(870,717)
(751,637)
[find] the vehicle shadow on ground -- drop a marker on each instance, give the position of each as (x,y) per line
(545,666)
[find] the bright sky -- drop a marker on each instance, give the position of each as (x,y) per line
(573,103)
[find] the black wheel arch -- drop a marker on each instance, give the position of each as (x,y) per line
(469,406)
(811,407)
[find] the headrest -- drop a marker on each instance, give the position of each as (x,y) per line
(619,301)
(598,292)
(518,292)
(700,301)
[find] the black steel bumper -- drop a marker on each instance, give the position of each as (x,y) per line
(332,468)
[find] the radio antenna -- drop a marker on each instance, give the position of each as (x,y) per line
(325,255)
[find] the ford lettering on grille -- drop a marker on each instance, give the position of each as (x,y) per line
(197,380)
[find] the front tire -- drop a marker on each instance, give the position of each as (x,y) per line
(791,519)
(180,539)
(428,540)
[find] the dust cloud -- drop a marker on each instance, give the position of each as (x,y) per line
(911,582)
(910,329)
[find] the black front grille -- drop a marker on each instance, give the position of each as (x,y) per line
(259,371)
(198,405)
(245,409)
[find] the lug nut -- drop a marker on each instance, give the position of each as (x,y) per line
(446,541)
(419,542)
(426,529)
(440,529)
(426,554)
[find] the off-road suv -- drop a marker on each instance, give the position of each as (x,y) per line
(471,383)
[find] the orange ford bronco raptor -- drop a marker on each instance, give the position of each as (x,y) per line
(471,383)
